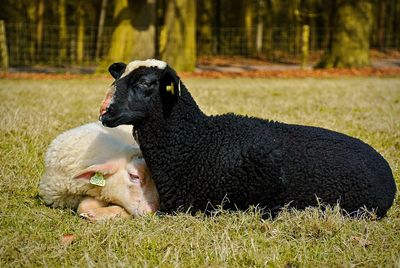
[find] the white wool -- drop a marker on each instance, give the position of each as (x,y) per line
(75,150)
(143,63)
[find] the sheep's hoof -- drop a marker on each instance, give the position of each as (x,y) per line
(96,216)
(90,216)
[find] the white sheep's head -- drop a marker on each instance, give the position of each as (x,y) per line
(140,89)
(127,184)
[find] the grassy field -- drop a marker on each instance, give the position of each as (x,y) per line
(34,112)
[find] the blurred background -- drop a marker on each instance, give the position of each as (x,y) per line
(85,36)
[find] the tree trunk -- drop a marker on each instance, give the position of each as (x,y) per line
(101,27)
(205,23)
(381,24)
(39,28)
(394,16)
(80,41)
(328,24)
(313,35)
(4,61)
(396,22)
(305,46)
(217,25)
(296,36)
(349,44)
(30,32)
(260,18)
(134,34)
(62,32)
(269,18)
(309,13)
(178,36)
(249,14)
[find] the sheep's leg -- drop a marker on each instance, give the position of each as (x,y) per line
(105,213)
(95,210)
(89,203)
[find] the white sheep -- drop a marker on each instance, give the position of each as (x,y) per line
(77,155)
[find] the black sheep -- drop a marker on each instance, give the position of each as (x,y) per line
(198,161)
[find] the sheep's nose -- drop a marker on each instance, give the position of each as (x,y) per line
(151,209)
(102,113)
(106,102)
(103,109)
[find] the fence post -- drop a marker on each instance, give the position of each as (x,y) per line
(304,47)
(3,47)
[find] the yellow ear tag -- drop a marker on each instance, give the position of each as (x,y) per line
(98,179)
(171,89)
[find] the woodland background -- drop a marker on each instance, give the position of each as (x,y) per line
(95,33)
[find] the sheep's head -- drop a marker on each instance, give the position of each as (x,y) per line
(127,184)
(138,87)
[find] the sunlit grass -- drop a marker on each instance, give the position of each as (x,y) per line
(35,112)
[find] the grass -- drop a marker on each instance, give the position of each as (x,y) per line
(33,112)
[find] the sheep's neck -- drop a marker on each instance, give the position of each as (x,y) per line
(159,133)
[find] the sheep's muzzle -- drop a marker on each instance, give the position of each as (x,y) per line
(107,101)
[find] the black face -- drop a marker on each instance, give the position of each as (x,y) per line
(136,95)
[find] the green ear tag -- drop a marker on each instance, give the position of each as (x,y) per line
(171,89)
(98,179)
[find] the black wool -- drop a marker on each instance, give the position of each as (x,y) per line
(200,161)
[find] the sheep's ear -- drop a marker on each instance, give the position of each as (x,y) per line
(169,89)
(117,69)
(105,169)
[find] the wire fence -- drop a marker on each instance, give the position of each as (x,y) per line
(273,44)
(276,44)
(24,49)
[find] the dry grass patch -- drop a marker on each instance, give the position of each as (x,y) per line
(35,112)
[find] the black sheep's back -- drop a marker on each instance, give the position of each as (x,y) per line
(244,161)
(336,168)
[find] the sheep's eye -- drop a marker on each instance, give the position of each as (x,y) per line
(143,83)
(134,178)
(144,88)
